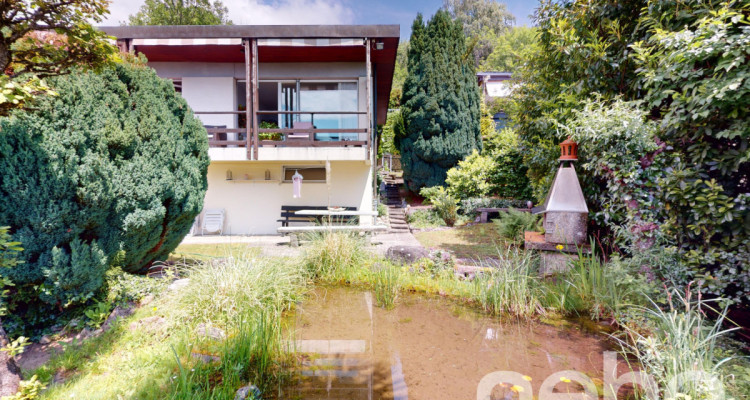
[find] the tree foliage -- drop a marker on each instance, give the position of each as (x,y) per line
(686,65)
(510,49)
(181,12)
(440,103)
(483,21)
(42,38)
(113,170)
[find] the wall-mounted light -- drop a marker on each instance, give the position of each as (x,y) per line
(379,45)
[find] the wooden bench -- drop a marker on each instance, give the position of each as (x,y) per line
(288,214)
(294,231)
(485,211)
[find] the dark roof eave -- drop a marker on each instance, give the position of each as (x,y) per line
(252,31)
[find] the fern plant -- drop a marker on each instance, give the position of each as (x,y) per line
(512,224)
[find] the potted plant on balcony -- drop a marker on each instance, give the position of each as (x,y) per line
(275,136)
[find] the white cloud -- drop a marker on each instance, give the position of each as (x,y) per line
(260,12)
(289,12)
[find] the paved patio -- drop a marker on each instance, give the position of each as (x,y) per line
(275,245)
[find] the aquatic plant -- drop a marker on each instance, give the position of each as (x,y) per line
(680,352)
(511,286)
(386,285)
(332,255)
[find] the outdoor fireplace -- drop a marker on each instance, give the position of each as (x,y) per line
(565,215)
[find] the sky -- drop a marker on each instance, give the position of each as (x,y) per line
(293,12)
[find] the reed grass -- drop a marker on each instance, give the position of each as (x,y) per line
(334,256)
(511,287)
(386,285)
(680,351)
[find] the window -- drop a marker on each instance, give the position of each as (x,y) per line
(309,174)
(177,82)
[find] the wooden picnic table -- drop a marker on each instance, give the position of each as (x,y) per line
(334,213)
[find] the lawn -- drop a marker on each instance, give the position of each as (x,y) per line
(474,241)
(202,252)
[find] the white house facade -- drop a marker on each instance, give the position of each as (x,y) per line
(279,100)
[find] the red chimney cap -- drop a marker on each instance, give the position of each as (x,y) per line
(568,150)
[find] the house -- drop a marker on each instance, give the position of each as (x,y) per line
(278,101)
(495,85)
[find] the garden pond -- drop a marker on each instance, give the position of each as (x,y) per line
(427,347)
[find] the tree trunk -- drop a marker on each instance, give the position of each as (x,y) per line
(10,374)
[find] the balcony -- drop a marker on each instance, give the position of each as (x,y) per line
(304,141)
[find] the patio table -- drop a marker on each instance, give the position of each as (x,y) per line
(332,213)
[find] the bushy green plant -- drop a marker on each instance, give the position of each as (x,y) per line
(470,178)
(498,170)
(421,219)
(445,205)
(331,254)
(511,286)
(28,390)
(116,164)
(440,102)
(680,353)
(512,224)
(123,288)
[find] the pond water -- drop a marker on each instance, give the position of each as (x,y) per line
(425,348)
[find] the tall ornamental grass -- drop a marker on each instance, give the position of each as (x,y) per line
(512,286)
(680,352)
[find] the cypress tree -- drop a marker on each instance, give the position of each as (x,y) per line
(440,102)
(110,171)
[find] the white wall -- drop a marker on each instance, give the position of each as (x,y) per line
(211,94)
(255,207)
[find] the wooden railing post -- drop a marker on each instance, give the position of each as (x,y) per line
(248,101)
(369,97)
(256,143)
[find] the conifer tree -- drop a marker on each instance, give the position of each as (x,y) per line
(440,102)
(112,171)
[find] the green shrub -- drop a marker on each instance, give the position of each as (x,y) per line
(512,224)
(497,171)
(421,219)
(470,178)
(114,165)
(445,205)
(382,210)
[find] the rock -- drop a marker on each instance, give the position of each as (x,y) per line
(250,390)
(45,340)
(146,300)
(179,284)
(206,358)
(204,330)
(117,313)
(10,374)
(150,324)
(442,256)
(83,334)
(406,254)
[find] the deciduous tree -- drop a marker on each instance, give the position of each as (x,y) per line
(43,38)
(483,21)
(181,12)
